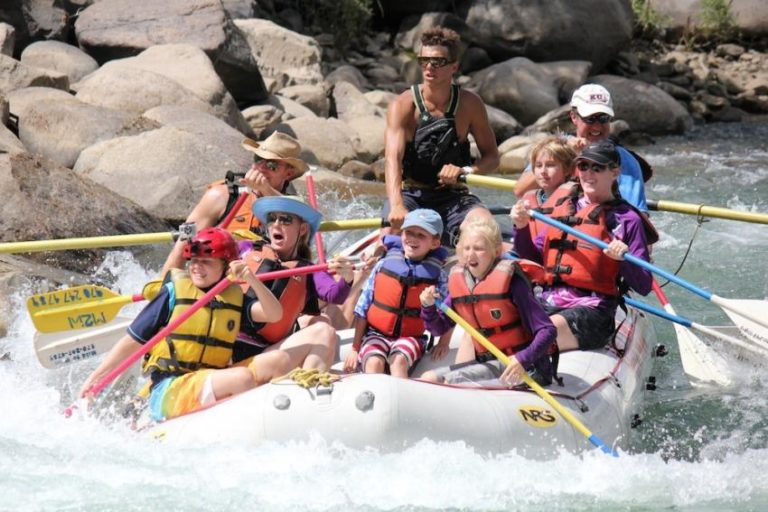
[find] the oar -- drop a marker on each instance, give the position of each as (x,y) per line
(751,312)
(707,211)
(699,360)
(76,308)
(97,387)
(151,238)
(488,181)
(565,413)
(310,181)
(58,349)
(693,325)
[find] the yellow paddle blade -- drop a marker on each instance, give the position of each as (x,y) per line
(75,308)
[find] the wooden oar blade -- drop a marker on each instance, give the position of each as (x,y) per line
(754,309)
(55,350)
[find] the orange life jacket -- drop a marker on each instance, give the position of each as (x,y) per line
(396,306)
(290,291)
(569,260)
(244,220)
(487,306)
(532,196)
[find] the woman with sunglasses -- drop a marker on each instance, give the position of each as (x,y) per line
(584,284)
(591,114)
(273,349)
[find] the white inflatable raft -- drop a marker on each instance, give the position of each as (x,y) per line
(604,389)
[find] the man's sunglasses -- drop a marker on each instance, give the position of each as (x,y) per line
(597,118)
(435,62)
(284,219)
(272,165)
(587,166)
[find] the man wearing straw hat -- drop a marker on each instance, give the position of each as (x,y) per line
(276,162)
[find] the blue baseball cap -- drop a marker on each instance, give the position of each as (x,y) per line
(426,219)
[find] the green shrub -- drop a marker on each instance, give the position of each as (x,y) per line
(649,22)
(346,20)
(717,20)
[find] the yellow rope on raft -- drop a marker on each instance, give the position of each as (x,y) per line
(308,378)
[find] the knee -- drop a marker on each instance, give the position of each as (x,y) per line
(374,364)
(323,334)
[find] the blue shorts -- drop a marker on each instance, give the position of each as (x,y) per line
(452,204)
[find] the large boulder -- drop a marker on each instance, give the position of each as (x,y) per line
(284,55)
(130,89)
(324,142)
(189,67)
(645,107)
(593,30)
(519,87)
(60,130)
(34,20)
(168,169)
(61,57)
(43,200)
(111,29)
(17,75)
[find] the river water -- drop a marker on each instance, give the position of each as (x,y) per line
(697,448)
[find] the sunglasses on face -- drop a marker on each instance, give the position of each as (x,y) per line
(591,166)
(597,118)
(272,165)
(435,62)
(285,219)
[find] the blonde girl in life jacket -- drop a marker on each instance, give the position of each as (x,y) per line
(189,369)
(494,296)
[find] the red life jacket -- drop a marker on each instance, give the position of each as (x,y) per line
(569,260)
(290,291)
(532,196)
(397,285)
(486,305)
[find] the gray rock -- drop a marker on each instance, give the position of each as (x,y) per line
(262,118)
(349,74)
(645,107)
(291,109)
(503,125)
(324,141)
(9,143)
(519,87)
(280,52)
(7,39)
(164,170)
(16,75)
(43,200)
(60,130)
(60,57)
(314,97)
(351,103)
(111,29)
(3,111)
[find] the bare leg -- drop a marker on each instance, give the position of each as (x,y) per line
(466,350)
(231,381)
(398,366)
(374,364)
(311,347)
(565,338)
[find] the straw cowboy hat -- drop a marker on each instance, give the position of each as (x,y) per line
(263,206)
(279,146)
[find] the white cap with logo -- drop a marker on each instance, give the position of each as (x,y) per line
(592,99)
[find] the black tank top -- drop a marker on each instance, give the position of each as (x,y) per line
(435,142)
